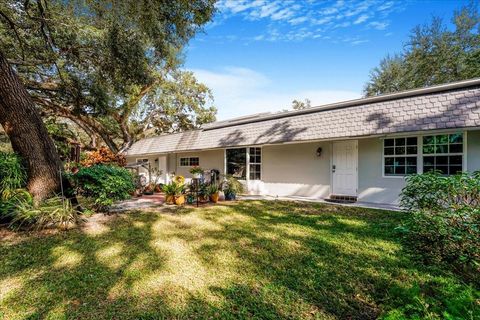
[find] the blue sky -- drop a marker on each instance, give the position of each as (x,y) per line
(259,55)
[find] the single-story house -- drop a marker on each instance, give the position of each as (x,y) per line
(360,149)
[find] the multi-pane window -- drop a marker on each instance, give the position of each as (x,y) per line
(443,152)
(400,156)
(255,163)
(189,161)
(238,162)
(142,160)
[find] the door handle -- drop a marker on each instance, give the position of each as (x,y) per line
(333,168)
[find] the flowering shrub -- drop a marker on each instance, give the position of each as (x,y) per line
(103,156)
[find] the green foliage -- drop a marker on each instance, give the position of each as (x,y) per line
(212,189)
(444,218)
(94,62)
(104,183)
(56,211)
(196,170)
(174,189)
(11,200)
(433,55)
(232,186)
(12,173)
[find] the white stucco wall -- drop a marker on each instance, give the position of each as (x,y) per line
(156,161)
(372,187)
(295,170)
(211,159)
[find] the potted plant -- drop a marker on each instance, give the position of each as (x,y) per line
(203,192)
(179,194)
(169,190)
(148,189)
(232,187)
(213,193)
(196,172)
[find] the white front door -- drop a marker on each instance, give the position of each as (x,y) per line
(344,168)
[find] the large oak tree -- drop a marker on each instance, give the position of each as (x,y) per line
(94,63)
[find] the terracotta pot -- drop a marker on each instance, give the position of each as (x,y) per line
(158,189)
(214,197)
(170,199)
(179,200)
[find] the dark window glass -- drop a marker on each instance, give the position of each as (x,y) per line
(237,162)
(442,169)
(428,149)
(411,169)
(456,138)
(428,140)
(388,151)
(455,169)
(399,170)
(428,161)
(389,161)
(399,150)
(456,160)
(441,139)
(456,148)
(428,168)
(411,161)
(412,141)
(400,161)
(389,170)
(411,150)
(388,142)
(400,142)
(442,148)
(194,161)
(255,171)
(442,160)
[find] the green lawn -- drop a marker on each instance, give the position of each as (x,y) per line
(249,259)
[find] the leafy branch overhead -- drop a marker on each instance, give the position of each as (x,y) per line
(106,66)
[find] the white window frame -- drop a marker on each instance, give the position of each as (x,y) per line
(420,154)
(247,170)
(189,161)
(257,163)
(462,154)
(417,155)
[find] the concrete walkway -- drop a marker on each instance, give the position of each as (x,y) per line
(360,204)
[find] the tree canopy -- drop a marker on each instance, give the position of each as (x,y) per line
(110,67)
(434,54)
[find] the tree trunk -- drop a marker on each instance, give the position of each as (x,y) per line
(28,134)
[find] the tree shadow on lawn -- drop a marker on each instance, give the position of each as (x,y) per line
(244,260)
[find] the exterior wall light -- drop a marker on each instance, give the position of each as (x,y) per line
(319,152)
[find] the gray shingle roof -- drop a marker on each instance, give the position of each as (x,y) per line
(454,105)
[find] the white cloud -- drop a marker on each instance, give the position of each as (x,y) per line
(379,25)
(242,91)
(288,17)
(362,18)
